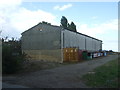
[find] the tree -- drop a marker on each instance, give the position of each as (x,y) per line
(72,27)
(66,25)
(64,22)
(69,27)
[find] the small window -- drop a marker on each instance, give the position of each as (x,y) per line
(41,30)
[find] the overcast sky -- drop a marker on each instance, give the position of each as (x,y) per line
(96,19)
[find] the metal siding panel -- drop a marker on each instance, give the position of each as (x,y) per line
(81,42)
(66,39)
(91,44)
(78,37)
(62,37)
(73,42)
(84,42)
(76,40)
(94,45)
(72,39)
(88,43)
(98,45)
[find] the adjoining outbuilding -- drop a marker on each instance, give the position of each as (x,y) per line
(54,43)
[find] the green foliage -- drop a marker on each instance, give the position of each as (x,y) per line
(64,22)
(69,27)
(66,25)
(104,76)
(12,57)
(72,27)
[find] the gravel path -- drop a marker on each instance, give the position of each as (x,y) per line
(68,76)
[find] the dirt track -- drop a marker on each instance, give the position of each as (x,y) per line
(68,76)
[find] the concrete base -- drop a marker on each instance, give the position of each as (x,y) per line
(45,55)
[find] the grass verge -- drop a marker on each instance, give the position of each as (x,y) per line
(104,76)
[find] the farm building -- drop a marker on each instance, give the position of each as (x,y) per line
(54,43)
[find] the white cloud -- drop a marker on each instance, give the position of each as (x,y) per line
(110,45)
(98,28)
(15,19)
(10,3)
(64,7)
(24,19)
(56,7)
(106,31)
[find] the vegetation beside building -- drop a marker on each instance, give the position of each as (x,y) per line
(12,57)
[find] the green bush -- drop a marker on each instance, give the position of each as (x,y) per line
(12,58)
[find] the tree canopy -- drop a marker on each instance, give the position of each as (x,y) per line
(72,27)
(64,22)
(66,25)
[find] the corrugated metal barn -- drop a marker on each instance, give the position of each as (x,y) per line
(51,43)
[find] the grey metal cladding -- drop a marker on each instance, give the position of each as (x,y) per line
(94,45)
(89,44)
(72,39)
(98,45)
(81,41)
(66,39)
(69,39)
(42,37)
